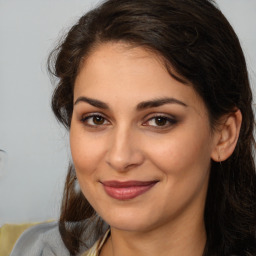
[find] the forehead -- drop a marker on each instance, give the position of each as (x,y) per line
(118,70)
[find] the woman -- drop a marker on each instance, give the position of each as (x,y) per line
(156,97)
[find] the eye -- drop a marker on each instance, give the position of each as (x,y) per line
(94,120)
(160,122)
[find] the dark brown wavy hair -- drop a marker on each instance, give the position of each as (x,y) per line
(194,38)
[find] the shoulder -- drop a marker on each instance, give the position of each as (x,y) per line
(96,248)
(42,240)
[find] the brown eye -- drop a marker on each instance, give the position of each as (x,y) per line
(94,120)
(98,120)
(160,121)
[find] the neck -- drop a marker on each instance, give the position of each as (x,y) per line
(187,239)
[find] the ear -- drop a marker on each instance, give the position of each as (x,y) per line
(226,136)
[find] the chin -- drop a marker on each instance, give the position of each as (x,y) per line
(128,220)
(129,225)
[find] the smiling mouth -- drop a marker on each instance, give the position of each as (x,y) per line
(128,189)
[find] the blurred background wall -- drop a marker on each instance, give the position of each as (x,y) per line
(33,169)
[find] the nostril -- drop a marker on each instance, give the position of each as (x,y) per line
(125,162)
(119,164)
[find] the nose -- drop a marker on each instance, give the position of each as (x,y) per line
(125,151)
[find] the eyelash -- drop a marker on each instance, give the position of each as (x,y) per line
(168,121)
(86,119)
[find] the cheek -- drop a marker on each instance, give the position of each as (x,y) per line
(182,152)
(86,150)
(86,153)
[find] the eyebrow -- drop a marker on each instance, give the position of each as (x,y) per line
(159,102)
(93,102)
(141,106)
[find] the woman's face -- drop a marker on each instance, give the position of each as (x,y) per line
(140,140)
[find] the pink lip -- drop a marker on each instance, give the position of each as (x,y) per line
(128,189)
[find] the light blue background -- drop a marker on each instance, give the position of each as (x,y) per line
(33,170)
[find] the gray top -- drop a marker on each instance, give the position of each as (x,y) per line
(45,240)
(41,240)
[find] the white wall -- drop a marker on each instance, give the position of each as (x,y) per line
(242,16)
(33,170)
